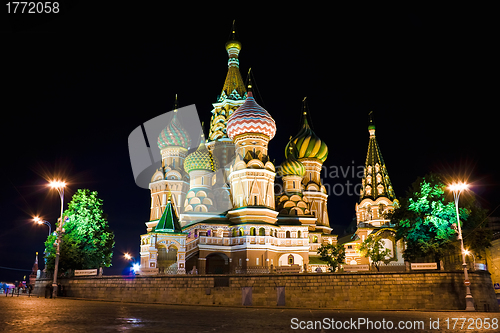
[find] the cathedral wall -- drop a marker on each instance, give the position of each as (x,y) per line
(363,291)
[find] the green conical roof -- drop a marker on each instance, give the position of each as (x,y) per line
(169,222)
(376,182)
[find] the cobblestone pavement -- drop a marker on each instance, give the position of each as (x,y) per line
(24,314)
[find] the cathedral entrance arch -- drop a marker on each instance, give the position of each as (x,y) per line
(166,257)
(290,259)
(217,263)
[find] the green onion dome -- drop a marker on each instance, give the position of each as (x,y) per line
(307,143)
(174,135)
(292,167)
(201,159)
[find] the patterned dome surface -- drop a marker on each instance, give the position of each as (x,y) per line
(308,144)
(174,135)
(201,159)
(291,166)
(251,118)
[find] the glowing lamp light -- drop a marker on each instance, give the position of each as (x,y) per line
(136,267)
(458,187)
(466,252)
(37,220)
(57,184)
(127,256)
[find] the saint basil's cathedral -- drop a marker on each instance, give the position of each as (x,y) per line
(215,210)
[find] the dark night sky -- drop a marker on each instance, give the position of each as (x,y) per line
(76,85)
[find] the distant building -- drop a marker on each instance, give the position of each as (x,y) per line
(376,200)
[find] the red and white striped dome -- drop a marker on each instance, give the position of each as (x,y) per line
(251,118)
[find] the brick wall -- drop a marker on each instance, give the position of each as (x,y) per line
(366,291)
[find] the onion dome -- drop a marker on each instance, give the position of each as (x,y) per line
(251,118)
(201,159)
(174,135)
(371,126)
(307,143)
(292,167)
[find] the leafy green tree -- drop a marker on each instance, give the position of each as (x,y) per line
(87,241)
(334,255)
(373,247)
(425,219)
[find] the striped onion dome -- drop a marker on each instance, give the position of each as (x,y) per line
(201,159)
(174,135)
(292,167)
(307,143)
(251,118)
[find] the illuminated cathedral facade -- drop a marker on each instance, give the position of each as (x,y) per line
(215,210)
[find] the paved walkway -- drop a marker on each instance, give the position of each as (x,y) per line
(24,314)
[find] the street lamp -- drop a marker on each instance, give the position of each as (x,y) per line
(59,186)
(457,189)
(40,221)
(135,266)
(467,252)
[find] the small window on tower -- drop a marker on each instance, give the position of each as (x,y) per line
(290,259)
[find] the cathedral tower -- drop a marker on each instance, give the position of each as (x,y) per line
(233,95)
(174,143)
(251,128)
(377,195)
(201,166)
(311,151)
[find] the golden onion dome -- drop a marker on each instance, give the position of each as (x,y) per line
(307,143)
(201,159)
(233,44)
(292,167)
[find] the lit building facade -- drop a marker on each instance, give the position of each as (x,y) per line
(231,172)
(376,201)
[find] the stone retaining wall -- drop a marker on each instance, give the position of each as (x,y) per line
(363,291)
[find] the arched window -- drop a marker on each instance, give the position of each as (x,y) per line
(241,232)
(290,259)
(262,232)
(252,231)
(287,234)
(315,239)
(235,232)
(298,234)
(209,233)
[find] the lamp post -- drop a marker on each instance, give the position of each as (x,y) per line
(59,186)
(40,221)
(457,189)
(467,252)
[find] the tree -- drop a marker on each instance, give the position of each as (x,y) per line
(425,219)
(373,247)
(87,241)
(334,255)
(475,234)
